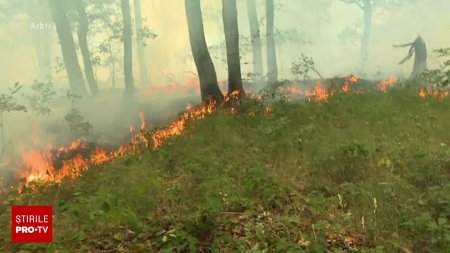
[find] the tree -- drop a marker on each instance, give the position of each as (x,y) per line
(139,43)
(367,7)
(127,49)
(231,29)
(209,88)
(83,28)
(71,63)
(255,39)
(272,68)
(9,103)
(419,49)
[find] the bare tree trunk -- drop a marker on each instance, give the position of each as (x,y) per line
(271,53)
(367,8)
(72,66)
(82,40)
(47,55)
(127,50)
(256,40)
(231,29)
(139,43)
(209,87)
(42,39)
(419,49)
(420,59)
(39,44)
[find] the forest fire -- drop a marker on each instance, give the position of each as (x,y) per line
(437,93)
(53,165)
(348,81)
(319,93)
(385,84)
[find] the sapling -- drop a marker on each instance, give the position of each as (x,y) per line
(74,118)
(303,66)
(9,103)
(42,94)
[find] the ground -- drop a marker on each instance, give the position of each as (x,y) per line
(357,173)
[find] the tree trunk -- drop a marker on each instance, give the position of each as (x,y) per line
(127,50)
(231,29)
(419,49)
(82,40)
(272,68)
(209,87)
(43,54)
(420,58)
(69,53)
(367,8)
(256,40)
(139,43)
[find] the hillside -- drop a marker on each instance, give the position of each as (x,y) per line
(358,173)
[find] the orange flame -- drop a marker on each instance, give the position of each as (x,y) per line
(142,118)
(348,81)
(437,93)
(385,84)
(319,93)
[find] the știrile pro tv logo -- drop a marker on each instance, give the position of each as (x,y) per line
(31,224)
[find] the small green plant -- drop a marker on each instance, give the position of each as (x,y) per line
(42,94)
(9,103)
(439,77)
(303,66)
(74,118)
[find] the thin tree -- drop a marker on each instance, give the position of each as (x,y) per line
(83,29)
(272,68)
(368,7)
(139,43)
(127,49)
(42,40)
(256,39)
(209,87)
(69,53)
(231,29)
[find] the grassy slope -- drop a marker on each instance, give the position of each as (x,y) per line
(368,172)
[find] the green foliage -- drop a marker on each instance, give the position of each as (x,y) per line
(75,119)
(9,103)
(439,77)
(303,66)
(40,98)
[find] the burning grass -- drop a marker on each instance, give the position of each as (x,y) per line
(361,171)
(53,164)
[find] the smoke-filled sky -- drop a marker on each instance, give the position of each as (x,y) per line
(314,26)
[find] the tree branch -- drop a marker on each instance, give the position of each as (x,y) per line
(357,2)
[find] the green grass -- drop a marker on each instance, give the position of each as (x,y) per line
(359,173)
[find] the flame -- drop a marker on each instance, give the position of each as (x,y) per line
(348,81)
(294,90)
(434,92)
(142,118)
(385,84)
(51,164)
(319,92)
